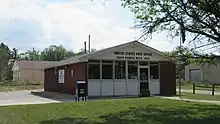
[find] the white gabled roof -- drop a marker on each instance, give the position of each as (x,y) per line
(86,57)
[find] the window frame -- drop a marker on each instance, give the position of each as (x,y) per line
(158,70)
(94,62)
(137,65)
(108,63)
(121,62)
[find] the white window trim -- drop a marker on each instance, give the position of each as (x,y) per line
(157,64)
(114,70)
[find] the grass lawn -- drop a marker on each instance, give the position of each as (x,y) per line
(190,86)
(200,96)
(123,111)
(20,87)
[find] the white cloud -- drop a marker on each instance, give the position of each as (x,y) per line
(74,20)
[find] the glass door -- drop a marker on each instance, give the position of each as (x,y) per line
(144,78)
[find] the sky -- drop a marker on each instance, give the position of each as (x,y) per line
(25,24)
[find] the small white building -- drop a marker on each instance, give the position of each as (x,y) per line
(29,71)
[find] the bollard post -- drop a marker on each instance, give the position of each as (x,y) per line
(213,89)
(194,88)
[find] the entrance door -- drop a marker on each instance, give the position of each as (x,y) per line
(144,78)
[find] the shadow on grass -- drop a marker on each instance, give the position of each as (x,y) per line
(152,114)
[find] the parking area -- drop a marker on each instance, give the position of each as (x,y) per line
(28,97)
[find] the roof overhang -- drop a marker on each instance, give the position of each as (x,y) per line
(65,62)
(86,57)
(111,49)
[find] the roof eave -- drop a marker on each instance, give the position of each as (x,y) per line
(66,63)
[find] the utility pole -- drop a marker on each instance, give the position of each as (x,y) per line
(89,44)
(32,57)
(85,50)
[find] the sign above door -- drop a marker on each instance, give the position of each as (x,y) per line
(132,55)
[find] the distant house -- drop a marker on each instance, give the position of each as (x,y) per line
(193,72)
(29,71)
(208,73)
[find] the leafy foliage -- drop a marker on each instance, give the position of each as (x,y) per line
(4,58)
(199,18)
(181,57)
(52,53)
(33,55)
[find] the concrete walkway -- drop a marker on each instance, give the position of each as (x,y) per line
(26,97)
(198,91)
(192,100)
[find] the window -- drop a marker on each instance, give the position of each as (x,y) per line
(94,70)
(107,69)
(132,70)
(154,70)
(119,69)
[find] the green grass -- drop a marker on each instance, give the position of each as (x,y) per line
(123,111)
(20,87)
(200,96)
(190,86)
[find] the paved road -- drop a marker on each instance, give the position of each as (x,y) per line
(198,91)
(24,97)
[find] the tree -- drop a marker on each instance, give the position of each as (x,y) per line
(82,51)
(181,56)
(197,18)
(70,54)
(24,56)
(14,54)
(57,53)
(4,58)
(8,68)
(54,53)
(33,54)
(207,5)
